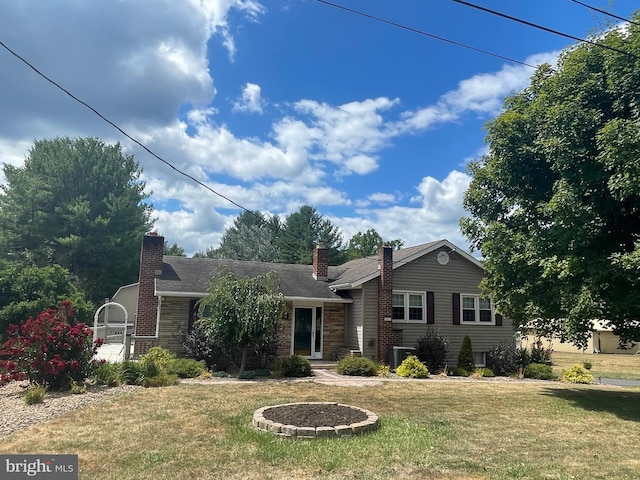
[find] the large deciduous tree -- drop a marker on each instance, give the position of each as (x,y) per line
(78,203)
(302,230)
(368,243)
(243,315)
(26,290)
(555,205)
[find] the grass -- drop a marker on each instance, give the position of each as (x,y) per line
(603,365)
(430,429)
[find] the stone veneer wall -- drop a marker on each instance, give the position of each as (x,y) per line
(175,317)
(173,323)
(333,340)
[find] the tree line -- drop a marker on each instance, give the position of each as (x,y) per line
(72,218)
(257,238)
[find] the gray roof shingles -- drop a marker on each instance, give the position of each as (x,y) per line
(185,276)
(182,275)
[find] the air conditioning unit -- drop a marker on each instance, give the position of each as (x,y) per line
(398,354)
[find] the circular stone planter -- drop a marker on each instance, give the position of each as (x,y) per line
(266,418)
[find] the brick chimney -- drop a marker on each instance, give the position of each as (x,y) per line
(321,262)
(147,309)
(385,302)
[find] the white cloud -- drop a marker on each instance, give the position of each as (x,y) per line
(436,216)
(148,63)
(251,100)
(215,12)
(382,197)
(482,94)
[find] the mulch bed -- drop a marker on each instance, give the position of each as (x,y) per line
(314,415)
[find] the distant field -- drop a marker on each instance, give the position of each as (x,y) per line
(603,365)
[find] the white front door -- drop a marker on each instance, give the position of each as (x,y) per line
(307,332)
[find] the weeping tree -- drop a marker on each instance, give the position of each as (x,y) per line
(243,315)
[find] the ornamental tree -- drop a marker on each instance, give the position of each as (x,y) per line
(50,350)
(243,315)
(554,207)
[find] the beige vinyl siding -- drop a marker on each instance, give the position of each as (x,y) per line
(370,319)
(425,274)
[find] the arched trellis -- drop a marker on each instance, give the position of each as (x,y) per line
(116,327)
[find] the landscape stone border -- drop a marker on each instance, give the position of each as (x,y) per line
(293,431)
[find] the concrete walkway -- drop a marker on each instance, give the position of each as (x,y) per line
(619,382)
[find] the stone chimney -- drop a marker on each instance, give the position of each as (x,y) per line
(385,302)
(321,262)
(147,309)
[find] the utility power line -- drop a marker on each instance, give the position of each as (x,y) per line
(426,34)
(137,142)
(114,125)
(546,29)
(605,12)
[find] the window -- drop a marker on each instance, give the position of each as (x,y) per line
(480,359)
(475,309)
(408,307)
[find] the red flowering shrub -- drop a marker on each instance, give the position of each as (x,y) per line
(51,350)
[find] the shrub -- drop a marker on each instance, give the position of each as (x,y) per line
(107,374)
(504,358)
(78,388)
(162,379)
(458,372)
(432,350)
(539,354)
(293,366)
(263,372)
(482,373)
(539,371)
(199,346)
(220,374)
(383,370)
(576,374)
(160,357)
(587,364)
(357,366)
(34,394)
(465,357)
(186,367)
(51,350)
(131,372)
(247,375)
(413,368)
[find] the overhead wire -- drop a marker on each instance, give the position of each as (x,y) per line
(546,29)
(426,34)
(137,142)
(605,12)
(114,125)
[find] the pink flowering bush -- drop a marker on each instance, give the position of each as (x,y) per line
(51,350)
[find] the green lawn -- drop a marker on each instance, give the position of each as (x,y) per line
(429,429)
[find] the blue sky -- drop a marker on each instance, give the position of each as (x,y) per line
(281,103)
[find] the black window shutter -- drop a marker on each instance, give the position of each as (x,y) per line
(431,318)
(456,309)
(498,320)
